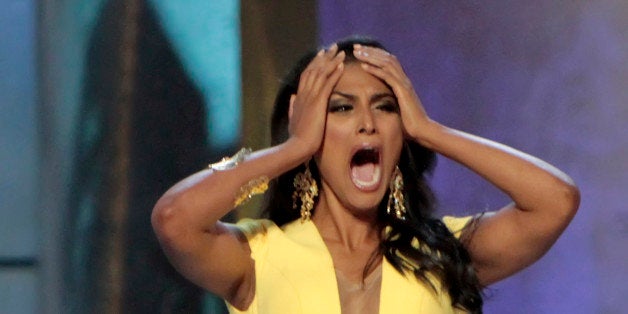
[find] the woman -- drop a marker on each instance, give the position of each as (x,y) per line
(351,145)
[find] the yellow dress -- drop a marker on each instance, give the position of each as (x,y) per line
(294,274)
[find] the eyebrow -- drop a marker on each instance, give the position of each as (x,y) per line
(374,98)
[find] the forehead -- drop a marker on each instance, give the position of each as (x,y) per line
(354,80)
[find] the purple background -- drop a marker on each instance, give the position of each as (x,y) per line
(545,77)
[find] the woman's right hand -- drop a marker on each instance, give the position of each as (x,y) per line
(210,253)
(308,107)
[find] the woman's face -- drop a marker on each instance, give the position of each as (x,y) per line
(362,141)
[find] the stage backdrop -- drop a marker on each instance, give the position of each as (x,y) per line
(547,77)
(109,98)
(135,95)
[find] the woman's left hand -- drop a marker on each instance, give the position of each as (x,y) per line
(544,199)
(385,66)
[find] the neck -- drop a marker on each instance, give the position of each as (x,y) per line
(350,228)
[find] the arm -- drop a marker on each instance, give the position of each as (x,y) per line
(200,247)
(185,219)
(544,198)
(544,201)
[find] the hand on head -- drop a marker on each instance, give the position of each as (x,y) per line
(386,67)
(308,108)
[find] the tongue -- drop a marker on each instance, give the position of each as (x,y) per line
(363,172)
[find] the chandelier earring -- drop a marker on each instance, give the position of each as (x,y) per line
(305,189)
(396,202)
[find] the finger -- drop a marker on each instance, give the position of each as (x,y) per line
(391,77)
(368,51)
(332,81)
(323,56)
(317,83)
(327,70)
(325,91)
(319,107)
(377,57)
(319,67)
(388,65)
(381,61)
(402,88)
(305,77)
(331,52)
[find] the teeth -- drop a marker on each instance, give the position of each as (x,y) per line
(367,184)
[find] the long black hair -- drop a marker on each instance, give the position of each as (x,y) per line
(420,244)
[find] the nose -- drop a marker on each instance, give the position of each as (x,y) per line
(367,123)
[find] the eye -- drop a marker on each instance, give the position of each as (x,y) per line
(388,106)
(339,107)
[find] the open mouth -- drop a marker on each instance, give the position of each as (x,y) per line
(365,169)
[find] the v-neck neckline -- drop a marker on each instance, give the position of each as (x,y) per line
(297,254)
(306,233)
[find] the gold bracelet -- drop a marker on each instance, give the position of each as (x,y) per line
(230,162)
(253,187)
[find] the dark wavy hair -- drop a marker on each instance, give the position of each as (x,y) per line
(439,253)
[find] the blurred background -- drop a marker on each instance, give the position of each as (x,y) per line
(107,103)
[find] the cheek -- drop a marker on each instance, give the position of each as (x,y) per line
(336,133)
(334,141)
(395,135)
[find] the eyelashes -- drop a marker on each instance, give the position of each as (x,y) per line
(339,107)
(389,106)
(385,106)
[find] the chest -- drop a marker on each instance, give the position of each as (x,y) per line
(354,265)
(303,280)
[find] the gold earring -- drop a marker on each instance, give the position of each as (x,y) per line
(395,196)
(306,189)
